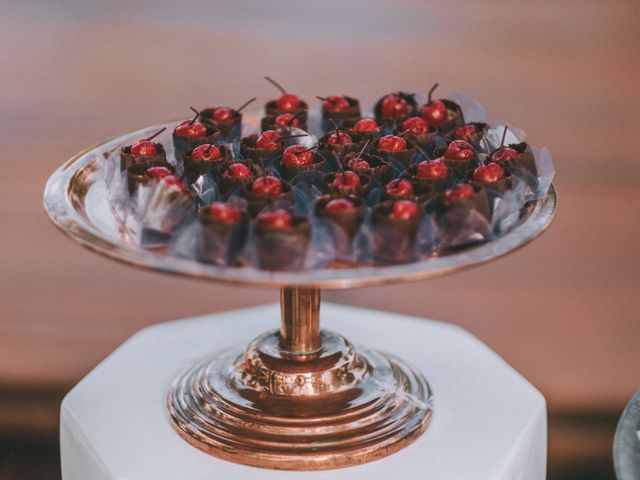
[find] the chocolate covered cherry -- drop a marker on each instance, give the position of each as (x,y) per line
(464,132)
(432,169)
(463,191)
(287,102)
(238,171)
(157,172)
(297,155)
(338,205)
(400,187)
(404,210)
(225,212)
(267,186)
(392,143)
(206,153)
(191,129)
(365,125)
(459,150)
(489,173)
(269,140)
(346,180)
(336,104)
(338,137)
(394,107)
(173,181)
(287,120)
(434,111)
(144,148)
(276,219)
(222,114)
(501,155)
(415,126)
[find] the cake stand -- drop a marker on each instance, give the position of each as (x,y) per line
(297,398)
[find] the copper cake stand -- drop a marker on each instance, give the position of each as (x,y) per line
(297,398)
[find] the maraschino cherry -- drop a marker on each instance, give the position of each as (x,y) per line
(338,205)
(288,119)
(297,155)
(392,143)
(145,147)
(465,132)
(335,103)
(267,186)
(269,140)
(415,126)
(359,164)
(239,171)
(393,106)
(459,150)
(366,125)
(276,219)
(173,181)
(435,111)
(191,128)
(346,180)
(400,187)
(157,172)
(432,169)
(226,114)
(206,153)
(463,191)
(503,154)
(489,173)
(225,213)
(287,102)
(338,137)
(404,210)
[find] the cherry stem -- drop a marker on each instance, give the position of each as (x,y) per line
(155,134)
(295,116)
(420,150)
(366,144)
(337,129)
(194,118)
(307,150)
(402,134)
(431,91)
(504,136)
(275,84)
(293,136)
(245,104)
(324,99)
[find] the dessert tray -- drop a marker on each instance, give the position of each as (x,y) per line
(301,398)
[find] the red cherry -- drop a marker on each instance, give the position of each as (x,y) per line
(157,172)
(504,154)
(338,205)
(173,181)
(459,150)
(404,210)
(492,172)
(144,148)
(288,102)
(336,104)
(285,120)
(276,219)
(297,155)
(222,114)
(464,132)
(392,143)
(225,213)
(191,129)
(359,164)
(415,126)
(432,169)
(238,171)
(267,186)
(464,191)
(394,107)
(435,113)
(269,140)
(346,180)
(206,153)
(338,137)
(366,125)
(400,187)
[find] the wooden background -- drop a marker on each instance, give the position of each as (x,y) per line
(562,311)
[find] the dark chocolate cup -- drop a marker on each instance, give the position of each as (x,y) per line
(136,177)
(438,185)
(194,168)
(187,144)
(127,159)
(474,139)
(340,150)
(282,248)
(268,122)
(404,156)
(290,171)
(524,159)
(221,243)
(478,202)
(271,109)
(409,98)
(338,117)
(257,203)
(393,239)
(259,156)
(455,117)
(359,191)
(461,168)
(349,123)
(380,169)
(228,184)
(234,126)
(348,221)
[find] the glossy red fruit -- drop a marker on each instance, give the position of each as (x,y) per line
(297,155)
(392,143)
(400,187)
(432,169)
(459,150)
(415,126)
(366,125)
(157,172)
(288,102)
(503,154)
(359,164)
(464,132)
(173,181)
(225,212)
(223,114)
(284,120)
(144,148)
(191,129)
(206,153)
(435,113)
(339,138)
(238,171)
(269,140)
(346,180)
(336,104)
(492,172)
(404,210)
(394,107)
(463,191)
(338,205)
(276,219)
(267,186)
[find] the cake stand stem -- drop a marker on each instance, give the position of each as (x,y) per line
(300,330)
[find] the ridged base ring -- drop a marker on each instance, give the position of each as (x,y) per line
(331,408)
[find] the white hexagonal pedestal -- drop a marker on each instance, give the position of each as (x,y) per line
(488,421)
